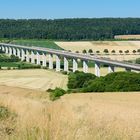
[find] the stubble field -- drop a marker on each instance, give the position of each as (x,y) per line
(33,79)
(100,45)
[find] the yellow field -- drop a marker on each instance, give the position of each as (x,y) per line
(127,37)
(33,79)
(101,45)
(110,116)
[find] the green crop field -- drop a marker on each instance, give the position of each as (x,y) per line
(38,43)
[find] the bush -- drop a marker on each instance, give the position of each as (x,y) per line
(138,61)
(64,72)
(8,68)
(122,81)
(113,82)
(97,85)
(106,51)
(14,58)
(57,93)
(45,68)
(49,90)
(24,66)
(84,51)
(79,79)
(2,52)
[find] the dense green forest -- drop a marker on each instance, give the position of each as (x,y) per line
(69,29)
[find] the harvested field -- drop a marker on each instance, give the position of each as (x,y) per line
(73,117)
(33,79)
(127,37)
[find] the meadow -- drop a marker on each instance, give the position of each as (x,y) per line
(40,43)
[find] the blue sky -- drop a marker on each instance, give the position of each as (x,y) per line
(54,9)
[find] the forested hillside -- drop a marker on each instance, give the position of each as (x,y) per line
(69,29)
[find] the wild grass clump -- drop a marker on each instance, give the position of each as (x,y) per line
(4,113)
(7,122)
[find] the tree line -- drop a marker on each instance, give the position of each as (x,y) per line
(68,29)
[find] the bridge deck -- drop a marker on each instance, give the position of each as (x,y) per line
(72,55)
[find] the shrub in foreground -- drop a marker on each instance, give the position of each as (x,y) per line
(56,93)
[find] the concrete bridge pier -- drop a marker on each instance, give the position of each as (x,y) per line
(10,51)
(57,63)
(75,65)
(97,69)
(38,58)
(3,48)
(6,50)
(85,66)
(27,56)
(18,53)
(32,57)
(66,64)
(50,61)
(111,69)
(22,55)
(44,60)
(14,52)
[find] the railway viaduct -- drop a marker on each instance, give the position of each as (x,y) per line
(37,55)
